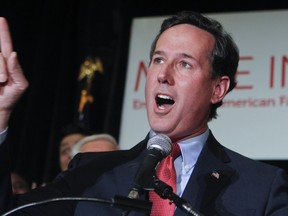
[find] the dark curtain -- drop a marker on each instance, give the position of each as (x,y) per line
(53,38)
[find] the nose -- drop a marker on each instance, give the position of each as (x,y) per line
(165,75)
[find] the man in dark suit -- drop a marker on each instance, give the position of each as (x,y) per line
(193,62)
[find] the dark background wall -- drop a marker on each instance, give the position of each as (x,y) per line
(53,38)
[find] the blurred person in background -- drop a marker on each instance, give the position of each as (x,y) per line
(19,184)
(70,134)
(95,143)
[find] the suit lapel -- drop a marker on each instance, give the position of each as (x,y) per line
(99,163)
(210,176)
(132,167)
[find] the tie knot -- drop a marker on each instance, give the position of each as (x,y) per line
(175,151)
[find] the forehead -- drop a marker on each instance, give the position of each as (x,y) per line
(186,38)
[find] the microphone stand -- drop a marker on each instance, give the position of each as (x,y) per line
(166,192)
(117,201)
(128,204)
(134,195)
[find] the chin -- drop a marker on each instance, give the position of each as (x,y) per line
(160,128)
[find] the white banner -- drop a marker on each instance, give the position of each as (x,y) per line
(254,118)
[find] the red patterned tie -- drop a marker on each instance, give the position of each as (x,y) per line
(166,173)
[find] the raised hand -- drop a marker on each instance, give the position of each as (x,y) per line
(12,80)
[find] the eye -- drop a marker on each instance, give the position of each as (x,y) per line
(184,64)
(158,60)
(65,151)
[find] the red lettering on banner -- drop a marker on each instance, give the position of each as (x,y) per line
(284,63)
(142,68)
(283,100)
(272,63)
(283,71)
(250,102)
(137,104)
(243,87)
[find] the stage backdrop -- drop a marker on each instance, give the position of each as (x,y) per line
(254,118)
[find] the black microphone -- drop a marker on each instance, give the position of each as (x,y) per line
(165,191)
(159,146)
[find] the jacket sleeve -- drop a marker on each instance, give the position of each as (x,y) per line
(5,178)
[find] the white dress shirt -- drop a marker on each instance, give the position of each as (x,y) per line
(184,164)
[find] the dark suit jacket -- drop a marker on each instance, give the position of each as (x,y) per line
(222,183)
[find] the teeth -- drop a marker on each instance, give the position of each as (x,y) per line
(163,101)
(165,97)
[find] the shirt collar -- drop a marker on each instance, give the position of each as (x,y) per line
(191,148)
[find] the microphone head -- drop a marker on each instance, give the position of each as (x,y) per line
(161,142)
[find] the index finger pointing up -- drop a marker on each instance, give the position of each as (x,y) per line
(6,46)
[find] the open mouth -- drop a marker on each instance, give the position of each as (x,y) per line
(163,101)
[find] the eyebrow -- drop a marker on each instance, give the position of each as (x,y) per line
(181,55)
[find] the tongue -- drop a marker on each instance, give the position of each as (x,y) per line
(164,106)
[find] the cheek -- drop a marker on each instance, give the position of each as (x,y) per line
(149,87)
(150,77)
(62,160)
(196,95)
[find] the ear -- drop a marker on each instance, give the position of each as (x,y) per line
(220,89)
